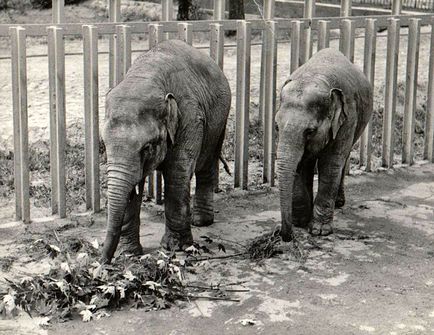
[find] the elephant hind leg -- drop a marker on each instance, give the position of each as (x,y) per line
(130,234)
(204,196)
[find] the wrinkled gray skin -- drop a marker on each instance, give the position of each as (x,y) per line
(324,107)
(169,114)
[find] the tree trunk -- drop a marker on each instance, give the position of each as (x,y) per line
(236,12)
(184,7)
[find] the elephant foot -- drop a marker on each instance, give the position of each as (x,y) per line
(318,229)
(176,241)
(131,248)
(201,220)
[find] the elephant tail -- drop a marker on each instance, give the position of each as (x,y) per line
(225,165)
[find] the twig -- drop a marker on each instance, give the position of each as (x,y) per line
(217,257)
(212,298)
(217,288)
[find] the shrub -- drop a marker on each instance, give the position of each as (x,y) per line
(44,4)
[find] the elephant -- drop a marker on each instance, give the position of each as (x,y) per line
(324,107)
(169,114)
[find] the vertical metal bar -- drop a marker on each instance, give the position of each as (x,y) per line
(270,102)
(410,91)
(345,8)
(219,10)
(167,13)
(306,49)
(429,120)
(396,7)
(295,45)
(323,34)
(185,32)
(269,8)
(155,178)
(58,10)
(390,92)
(369,71)
(91,119)
(346,42)
(167,10)
(216,48)
(268,14)
(242,105)
(114,16)
(123,52)
(20,121)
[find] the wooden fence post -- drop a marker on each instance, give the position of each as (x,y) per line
(306,47)
(123,52)
(58,10)
(345,8)
(20,122)
(91,118)
(270,101)
(185,32)
(114,16)
(56,67)
(219,10)
(346,41)
(155,182)
(390,92)
(217,39)
(369,71)
(429,120)
(295,45)
(242,105)
(268,13)
(323,34)
(410,91)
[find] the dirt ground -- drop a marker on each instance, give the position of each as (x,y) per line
(374,275)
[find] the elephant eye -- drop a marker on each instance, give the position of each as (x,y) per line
(310,131)
(145,148)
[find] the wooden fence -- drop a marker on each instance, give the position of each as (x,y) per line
(427,5)
(301,32)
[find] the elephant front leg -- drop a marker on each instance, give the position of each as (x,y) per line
(178,234)
(303,194)
(204,196)
(340,198)
(130,233)
(330,172)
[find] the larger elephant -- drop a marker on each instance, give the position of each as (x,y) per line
(324,107)
(169,113)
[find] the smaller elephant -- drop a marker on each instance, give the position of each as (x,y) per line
(168,114)
(324,107)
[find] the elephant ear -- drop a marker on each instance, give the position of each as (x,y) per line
(338,110)
(171,119)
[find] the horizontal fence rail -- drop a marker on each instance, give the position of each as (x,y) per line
(304,33)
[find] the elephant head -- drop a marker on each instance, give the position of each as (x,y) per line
(310,114)
(137,132)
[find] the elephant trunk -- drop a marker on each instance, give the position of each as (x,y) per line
(289,155)
(120,185)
